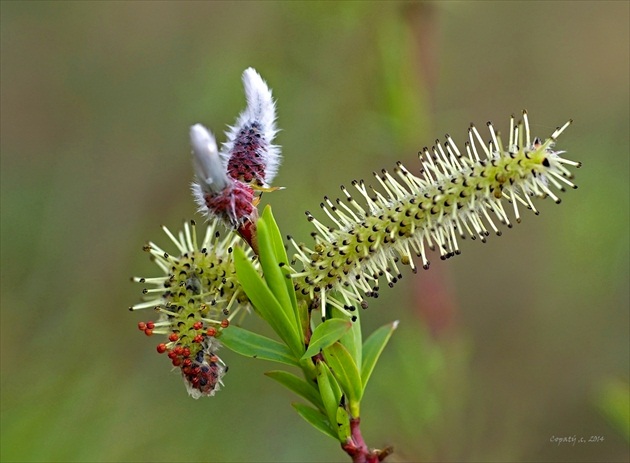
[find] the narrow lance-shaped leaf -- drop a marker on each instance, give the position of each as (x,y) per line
(352,340)
(341,420)
(329,391)
(265,302)
(254,345)
(281,253)
(298,385)
(345,370)
(326,334)
(316,418)
(273,275)
(343,424)
(373,347)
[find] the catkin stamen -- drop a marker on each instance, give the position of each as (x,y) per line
(455,195)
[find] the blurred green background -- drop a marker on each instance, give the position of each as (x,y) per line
(513,343)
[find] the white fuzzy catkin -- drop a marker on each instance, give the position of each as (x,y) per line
(248,150)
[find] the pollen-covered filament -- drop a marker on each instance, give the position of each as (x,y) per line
(457,195)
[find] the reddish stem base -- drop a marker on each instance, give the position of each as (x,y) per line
(358,449)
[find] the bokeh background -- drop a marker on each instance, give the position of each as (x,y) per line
(509,345)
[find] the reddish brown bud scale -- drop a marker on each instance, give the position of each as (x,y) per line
(173,337)
(198,325)
(212,331)
(161,348)
(235,204)
(142,326)
(225,323)
(150,325)
(247,231)
(148,332)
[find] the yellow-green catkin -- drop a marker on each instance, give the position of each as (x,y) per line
(457,194)
(195,299)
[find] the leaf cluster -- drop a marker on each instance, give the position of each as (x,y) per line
(335,362)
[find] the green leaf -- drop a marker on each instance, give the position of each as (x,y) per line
(345,370)
(326,334)
(271,270)
(266,304)
(254,345)
(303,316)
(281,253)
(315,418)
(372,349)
(343,424)
(352,339)
(297,385)
(329,391)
